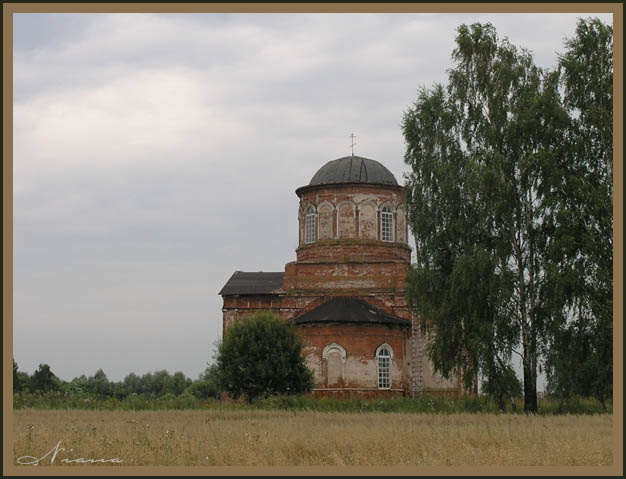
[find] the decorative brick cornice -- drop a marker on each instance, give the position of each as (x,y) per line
(342,186)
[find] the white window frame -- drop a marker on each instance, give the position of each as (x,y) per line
(384,359)
(386,224)
(309,225)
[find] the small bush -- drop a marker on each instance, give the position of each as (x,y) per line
(262,356)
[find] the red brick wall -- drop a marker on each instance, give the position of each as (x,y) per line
(350,261)
(237,307)
(351,278)
(352,212)
(355,250)
(360,342)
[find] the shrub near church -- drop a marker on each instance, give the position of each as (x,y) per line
(262,356)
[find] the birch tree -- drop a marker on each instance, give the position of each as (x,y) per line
(479,151)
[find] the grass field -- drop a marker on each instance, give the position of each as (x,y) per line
(275,438)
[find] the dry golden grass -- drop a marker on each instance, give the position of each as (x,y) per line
(264,438)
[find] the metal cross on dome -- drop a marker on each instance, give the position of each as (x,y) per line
(352,136)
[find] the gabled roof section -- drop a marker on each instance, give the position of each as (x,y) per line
(349,310)
(242,282)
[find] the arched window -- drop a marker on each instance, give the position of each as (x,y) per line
(309,225)
(383,361)
(386,220)
(334,356)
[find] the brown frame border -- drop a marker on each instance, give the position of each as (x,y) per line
(7,240)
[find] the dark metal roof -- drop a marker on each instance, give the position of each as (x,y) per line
(242,282)
(353,169)
(349,310)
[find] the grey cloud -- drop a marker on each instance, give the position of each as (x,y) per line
(156,154)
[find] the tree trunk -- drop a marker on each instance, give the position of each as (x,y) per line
(530,378)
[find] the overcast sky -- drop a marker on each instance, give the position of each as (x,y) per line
(156,154)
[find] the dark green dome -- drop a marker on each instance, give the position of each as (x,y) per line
(353,169)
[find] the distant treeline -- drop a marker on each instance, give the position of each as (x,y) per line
(161,390)
(152,385)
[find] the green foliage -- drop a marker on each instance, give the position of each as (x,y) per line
(474,210)
(580,360)
(44,380)
(502,385)
(179,383)
(149,386)
(424,404)
(508,201)
(208,386)
(132,402)
(157,384)
(132,383)
(119,392)
(261,356)
(16,381)
(587,77)
(100,385)
(24,381)
(575,405)
(21,380)
(76,387)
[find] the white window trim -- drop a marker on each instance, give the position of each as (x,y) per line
(309,212)
(383,214)
(378,360)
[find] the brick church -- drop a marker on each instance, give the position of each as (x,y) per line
(345,292)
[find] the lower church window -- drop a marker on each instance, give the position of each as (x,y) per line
(383,360)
